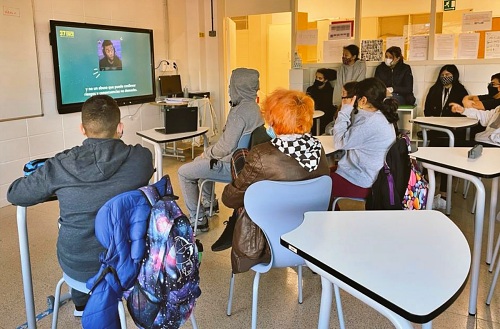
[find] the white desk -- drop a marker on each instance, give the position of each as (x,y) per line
(155,137)
(327,142)
(409,264)
(454,161)
(446,125)
(318,114)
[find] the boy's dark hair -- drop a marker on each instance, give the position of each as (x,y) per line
(329,74)
(100,116)
(106,43)
(350,88)
(354,50)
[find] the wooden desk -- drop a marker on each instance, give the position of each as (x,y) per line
(454,161)
(327,142)
(408,265)
(155,137)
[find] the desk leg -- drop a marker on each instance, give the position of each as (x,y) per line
(491,227)
(318,132)
(158,160)
(326,304)
(22,231)
(424,136)
(478,225)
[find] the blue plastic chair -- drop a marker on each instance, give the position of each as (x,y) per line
(244,142)
(277,208)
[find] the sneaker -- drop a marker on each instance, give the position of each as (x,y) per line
(202,224)
(225,241)
(439,203)
(206,207)
(78,314)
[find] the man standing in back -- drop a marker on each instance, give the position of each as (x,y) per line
(83,178)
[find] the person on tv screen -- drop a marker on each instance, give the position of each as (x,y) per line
(110,61)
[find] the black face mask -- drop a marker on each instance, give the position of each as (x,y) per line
(492,91)
(317,83)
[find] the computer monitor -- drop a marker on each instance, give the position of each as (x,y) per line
(170,85)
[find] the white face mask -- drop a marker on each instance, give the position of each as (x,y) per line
(388,61)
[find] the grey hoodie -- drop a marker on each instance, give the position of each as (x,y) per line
(83,179)
(243,117)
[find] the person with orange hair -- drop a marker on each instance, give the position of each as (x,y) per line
(292,154)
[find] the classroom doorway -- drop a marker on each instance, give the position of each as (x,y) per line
(261,42)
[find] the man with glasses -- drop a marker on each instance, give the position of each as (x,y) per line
(488,101)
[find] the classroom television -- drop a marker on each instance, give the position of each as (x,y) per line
(91,59)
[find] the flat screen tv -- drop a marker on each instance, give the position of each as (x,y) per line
(91,59)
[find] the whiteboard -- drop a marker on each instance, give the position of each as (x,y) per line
(19,80)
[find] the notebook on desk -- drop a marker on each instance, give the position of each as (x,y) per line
(180,119)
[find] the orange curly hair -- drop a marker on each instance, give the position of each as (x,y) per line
(288,112)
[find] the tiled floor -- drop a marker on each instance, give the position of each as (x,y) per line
(278,307)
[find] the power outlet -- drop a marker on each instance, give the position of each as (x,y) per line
(168,65)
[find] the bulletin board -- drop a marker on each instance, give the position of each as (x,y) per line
(19,81)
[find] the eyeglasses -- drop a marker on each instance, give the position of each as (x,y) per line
(346,97)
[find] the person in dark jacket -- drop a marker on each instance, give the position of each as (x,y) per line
(488,101)
(447,89)
(322,93)
(397,76)
(83,178)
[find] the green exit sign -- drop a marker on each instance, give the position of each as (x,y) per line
(449,5)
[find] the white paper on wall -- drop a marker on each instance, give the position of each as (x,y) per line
(332,50)
(480,21)
(395,42)
(444,46)
(307,38)
(468,45)
(492,45)
(418,47)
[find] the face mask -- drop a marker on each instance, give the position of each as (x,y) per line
(388,61)
(270,132)
(447,80)
(318,83)
(492,91)
(345,60)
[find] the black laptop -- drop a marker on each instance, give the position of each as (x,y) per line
(180,119)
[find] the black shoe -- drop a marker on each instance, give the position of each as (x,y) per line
(226,239)
(203,224)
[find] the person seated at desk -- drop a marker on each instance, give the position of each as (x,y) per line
(348,92)
(365,128)
(83,178)
(447,89)
(489,119)
(215,163)
(322,94)
(488,101)
(397,76)
(352,69)
(292,154)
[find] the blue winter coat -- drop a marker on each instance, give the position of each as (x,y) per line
(120,226)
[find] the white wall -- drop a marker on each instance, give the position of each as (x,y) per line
(26,139)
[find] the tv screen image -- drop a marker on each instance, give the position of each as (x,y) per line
(91,59)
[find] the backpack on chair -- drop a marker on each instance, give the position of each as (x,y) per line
(167,286)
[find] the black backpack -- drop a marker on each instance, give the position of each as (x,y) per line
(389,188)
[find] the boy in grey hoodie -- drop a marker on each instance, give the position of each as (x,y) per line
(83,178)
(244,116)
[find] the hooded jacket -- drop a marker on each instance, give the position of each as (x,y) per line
(244,115)
(83,178)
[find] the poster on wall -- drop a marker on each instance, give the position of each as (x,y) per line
(480,21)
(468,45)
(418,47)
(341,30)
(372,50)
(332,50)
(444,45)
(492,45)
(395,42)
(307,38)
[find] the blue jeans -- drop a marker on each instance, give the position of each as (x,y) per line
(193,173)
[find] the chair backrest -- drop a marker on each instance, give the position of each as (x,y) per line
(279,207)
(244,141)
